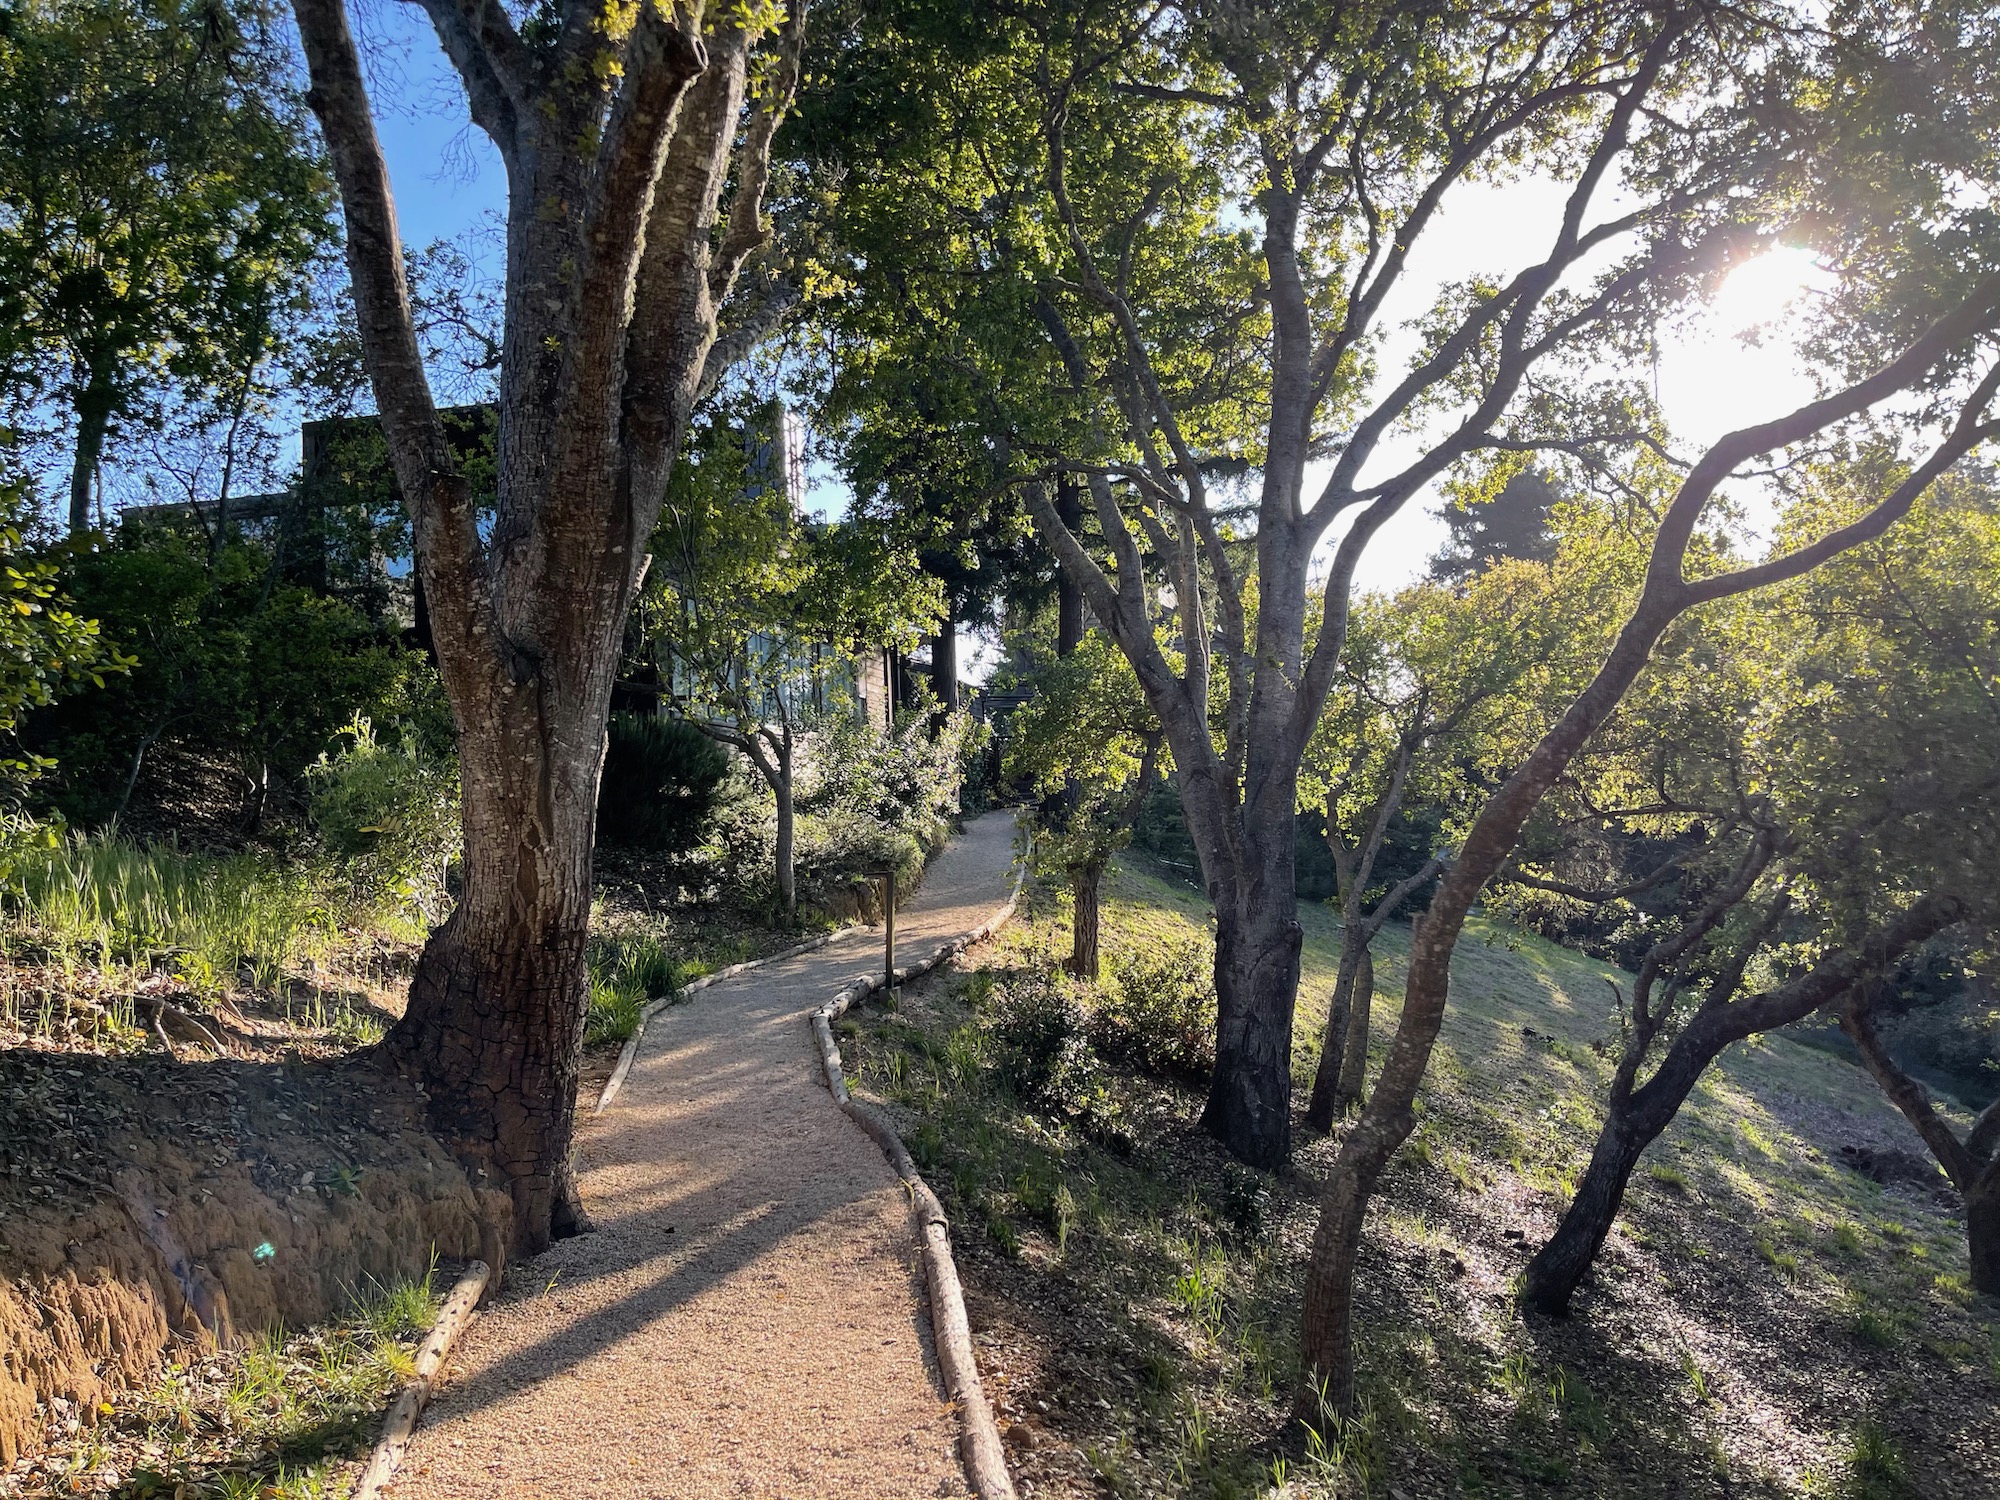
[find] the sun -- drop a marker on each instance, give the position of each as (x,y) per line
(1764,291)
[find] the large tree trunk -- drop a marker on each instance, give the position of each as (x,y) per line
(494,1027)
(944,664)
(1086,880)
(611,311)
(1257,943)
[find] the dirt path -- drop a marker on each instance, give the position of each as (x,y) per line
(749,1318)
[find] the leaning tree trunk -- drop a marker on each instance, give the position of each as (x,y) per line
(1559,1267)
(1635,1117)
(1086,880)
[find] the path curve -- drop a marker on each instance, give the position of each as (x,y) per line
(749,1319)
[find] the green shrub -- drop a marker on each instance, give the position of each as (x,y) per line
(1161,1017)
(907,779)
(642,963)
(1043,1024)
(616,1006)
(390,812)
(660,784)
(842,845)
(229,659)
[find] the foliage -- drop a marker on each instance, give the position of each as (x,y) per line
(47,648)
(1042,1021)
(746,597)
(753,610)
(1086,743)
(161,202)
(1160,1015)
(390,812)
(659,785)
(1514,521)
(906,778)
(228,658)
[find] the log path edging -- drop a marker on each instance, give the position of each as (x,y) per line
(681,992)
(453,1319)
(979,1439)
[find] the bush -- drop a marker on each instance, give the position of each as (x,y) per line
(1041,1020)
(391,812)
(840,847)
(229,660)
(662,779)
(1161,1017)
(906,779)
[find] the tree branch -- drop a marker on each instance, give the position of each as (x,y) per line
(1912,1098)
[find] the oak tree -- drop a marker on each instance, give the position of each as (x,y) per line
(636,142)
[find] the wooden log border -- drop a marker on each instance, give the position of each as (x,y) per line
(979,1438)
(401,1422)
(653,1007)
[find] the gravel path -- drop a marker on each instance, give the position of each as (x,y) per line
(749,1318)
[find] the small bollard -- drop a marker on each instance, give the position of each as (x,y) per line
(889,931)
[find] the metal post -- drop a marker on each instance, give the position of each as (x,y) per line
(889,930)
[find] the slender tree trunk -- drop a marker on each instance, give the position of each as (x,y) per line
(93,423)
(1354,1053)
(788,890)
(1069,593)
(1324,1106)
(1085,882)
(1559,1267)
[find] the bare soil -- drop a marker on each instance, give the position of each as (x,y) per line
(147,1200)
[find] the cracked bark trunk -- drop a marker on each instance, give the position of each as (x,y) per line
(1258,940)
(1086,882)
(494,1029)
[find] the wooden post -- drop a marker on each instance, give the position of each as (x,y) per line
(889,930)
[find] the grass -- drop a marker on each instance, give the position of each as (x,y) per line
(1147,1288)
(281,1418)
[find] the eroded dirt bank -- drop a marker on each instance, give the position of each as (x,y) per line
(144,1199)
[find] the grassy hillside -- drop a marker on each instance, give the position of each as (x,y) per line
(1766,1320)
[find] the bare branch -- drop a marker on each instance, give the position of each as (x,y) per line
(440,502)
